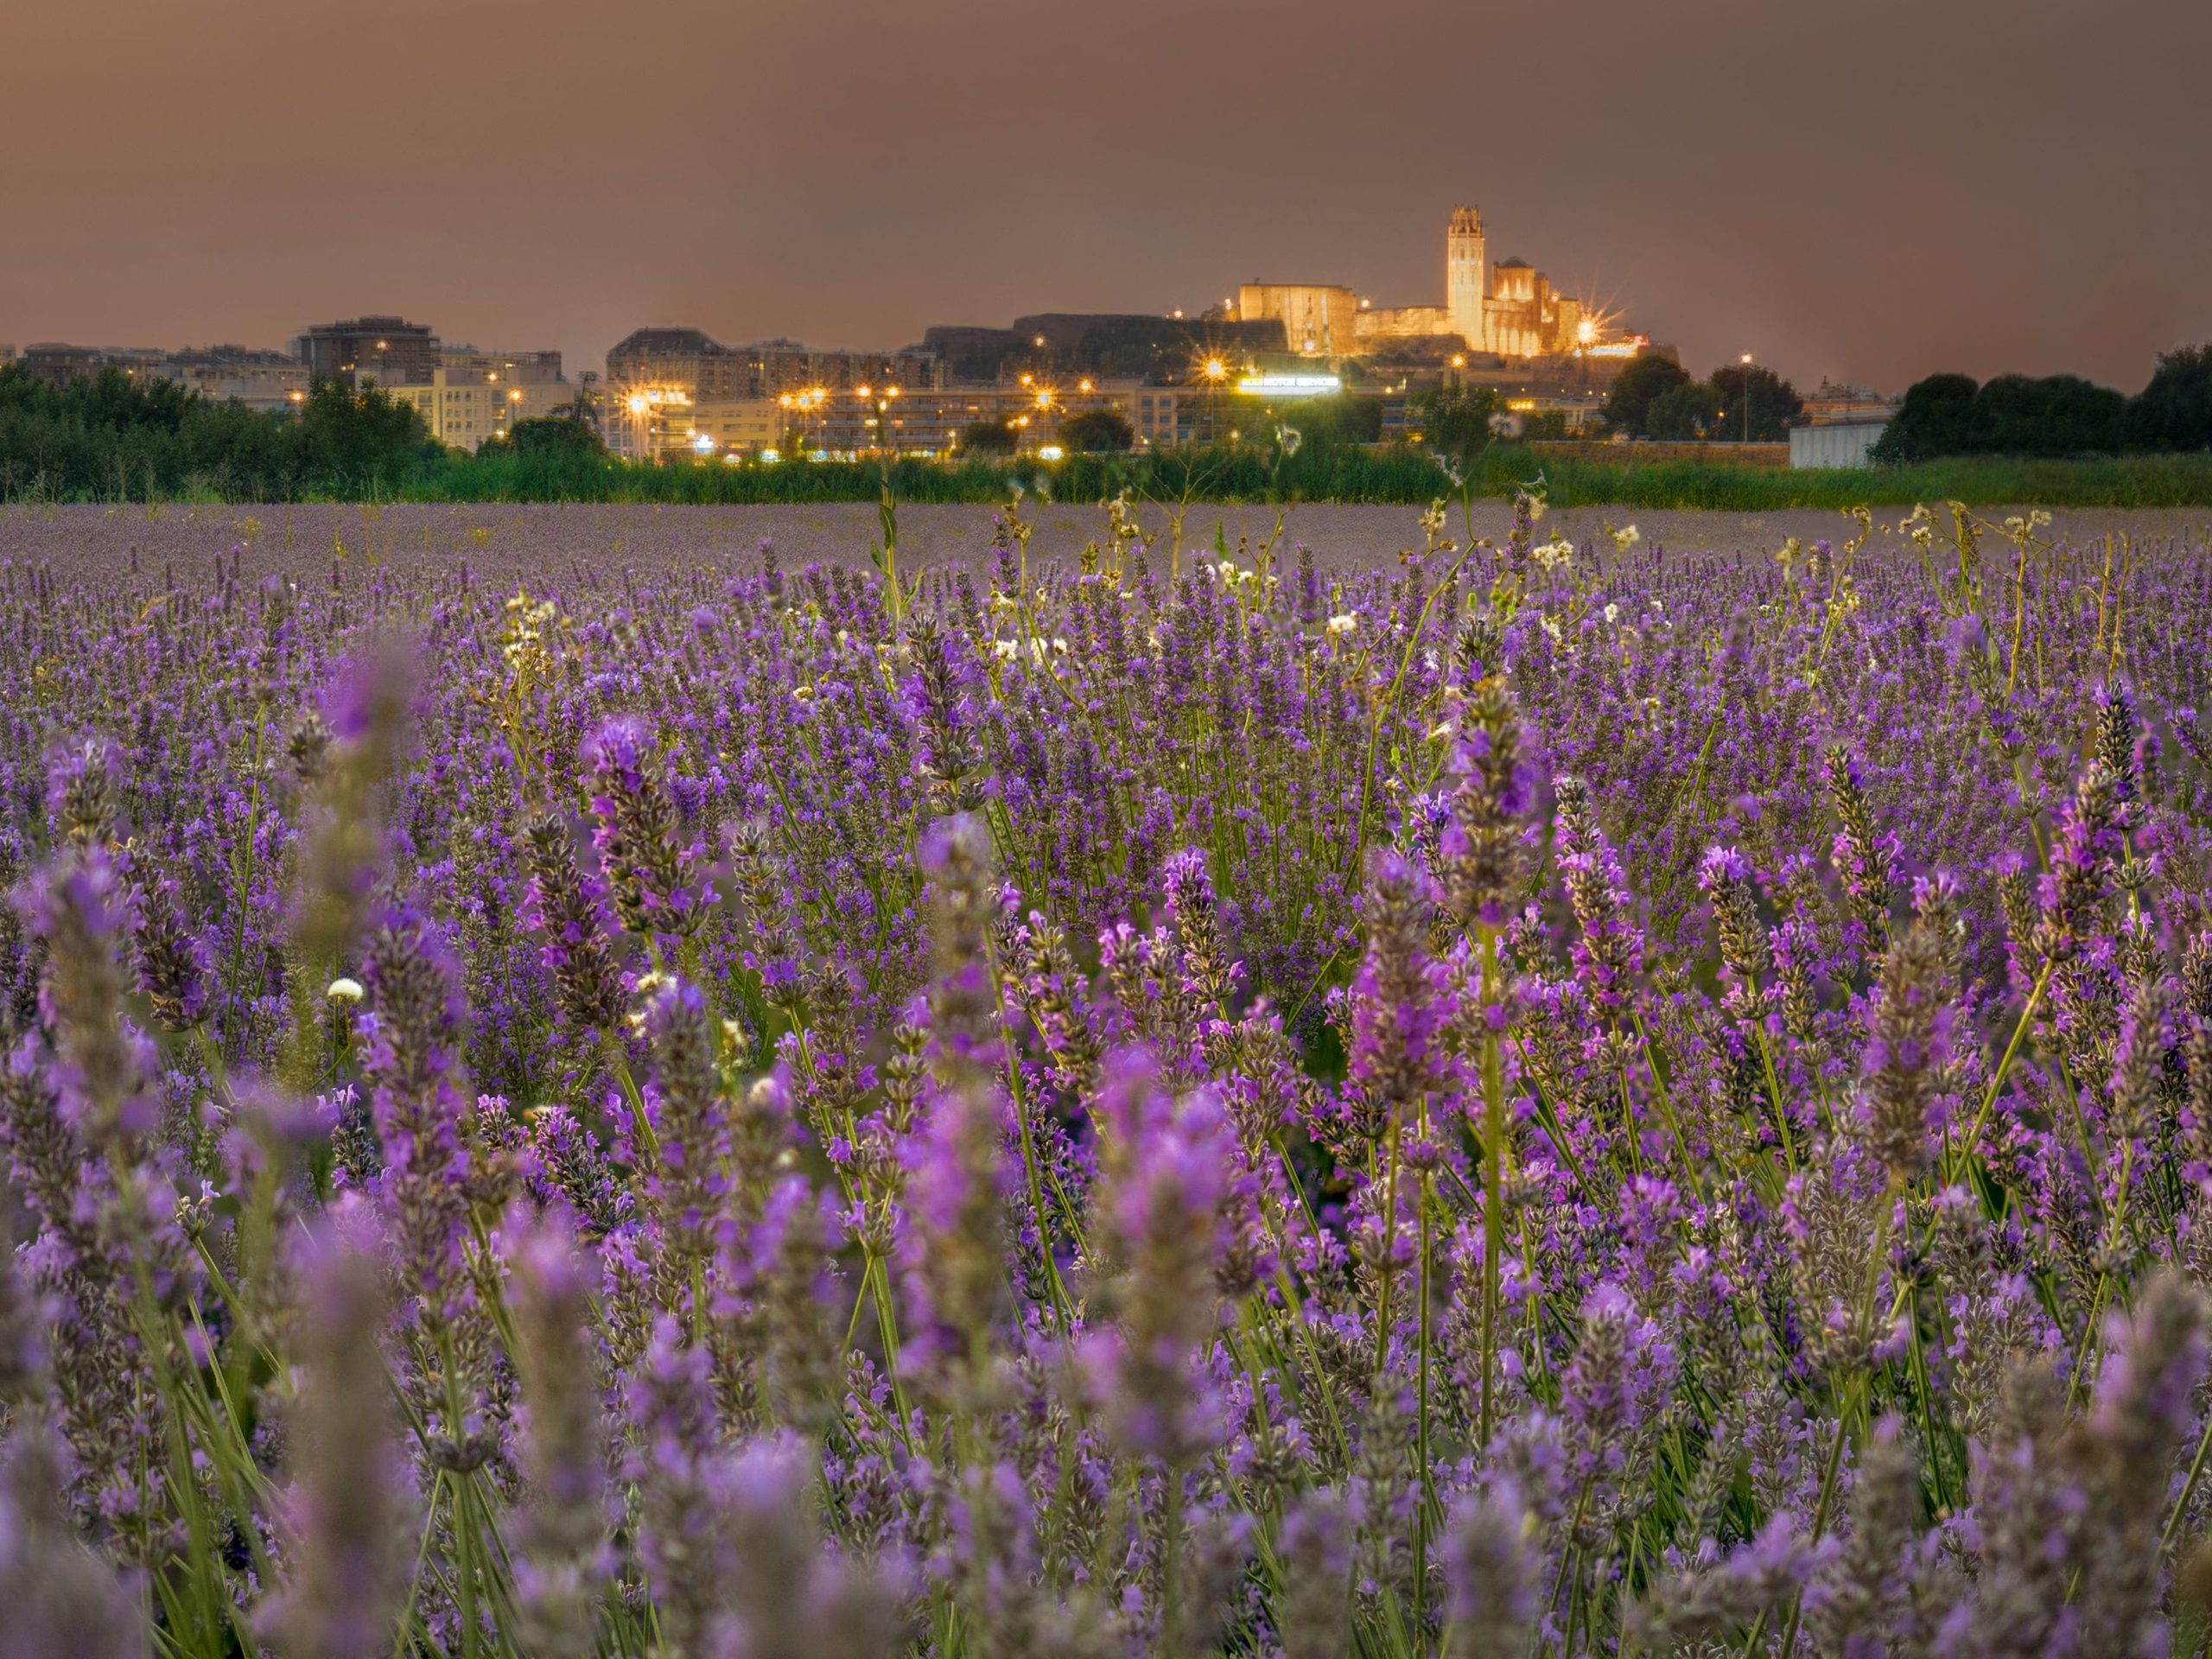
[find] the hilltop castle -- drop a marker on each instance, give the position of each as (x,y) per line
(1509,309)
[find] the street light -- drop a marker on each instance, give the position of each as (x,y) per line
(1747,396)
(1216,372)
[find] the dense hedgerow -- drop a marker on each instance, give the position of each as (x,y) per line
(1542,1100)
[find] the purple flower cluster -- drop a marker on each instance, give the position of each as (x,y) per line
(1538,1100)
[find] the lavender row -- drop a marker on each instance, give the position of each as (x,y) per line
(1542,1099)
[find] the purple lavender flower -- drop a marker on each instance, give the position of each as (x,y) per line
(412,1063)
(60,1597)
(576,952)
(1170,1161)
(564,1561)
(651,872)
(348,1539)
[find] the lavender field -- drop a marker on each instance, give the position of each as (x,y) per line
(1524,1087)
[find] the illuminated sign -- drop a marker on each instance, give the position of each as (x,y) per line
(1290,386)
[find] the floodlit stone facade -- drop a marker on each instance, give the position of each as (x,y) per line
(1509,309)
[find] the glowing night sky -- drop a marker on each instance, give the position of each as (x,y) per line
(1871,189)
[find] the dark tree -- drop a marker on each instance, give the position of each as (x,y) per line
(1097,432)
(1454,419)
(553,435)
(987,438)
(2063,415)
(2174,410)
(1940,416)
(1683,413)
(359,436)
(1641,379)
(1774,403)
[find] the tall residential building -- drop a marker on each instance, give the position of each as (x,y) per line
(510,368)
(389,350)
(654,362)
(469,395)
(260,379)
(462,408)
(52,362)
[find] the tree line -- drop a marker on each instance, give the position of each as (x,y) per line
(112,436)
(1945,415)
(2055,415)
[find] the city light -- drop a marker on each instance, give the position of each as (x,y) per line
(1290,386)
(1216,369)
(703,442)
(1586,332)
(1050,452)
(639,402)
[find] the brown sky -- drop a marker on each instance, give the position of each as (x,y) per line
(1873,189)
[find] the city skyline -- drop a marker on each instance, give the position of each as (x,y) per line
(1799,188)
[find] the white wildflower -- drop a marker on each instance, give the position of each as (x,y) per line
(1344,622)
(345,990)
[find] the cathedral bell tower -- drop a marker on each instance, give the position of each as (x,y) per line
(1466,276)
